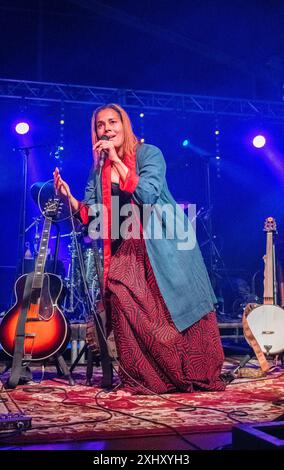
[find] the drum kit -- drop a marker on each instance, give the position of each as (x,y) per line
(75,306)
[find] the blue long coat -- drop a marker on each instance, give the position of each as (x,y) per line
(180,273)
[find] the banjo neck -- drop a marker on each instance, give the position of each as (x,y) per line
(264,324)
(269,264)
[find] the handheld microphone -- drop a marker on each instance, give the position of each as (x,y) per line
(228,377)
(242,363)
(103,154)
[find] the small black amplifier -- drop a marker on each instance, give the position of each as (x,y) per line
(14,422)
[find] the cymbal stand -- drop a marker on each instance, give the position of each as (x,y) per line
(205,218)
(74,300)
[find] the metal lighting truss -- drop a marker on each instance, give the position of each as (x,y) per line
(180,103)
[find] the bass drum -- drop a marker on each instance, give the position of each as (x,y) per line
(266,323)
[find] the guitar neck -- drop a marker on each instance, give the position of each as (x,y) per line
(268,293)
(41,258)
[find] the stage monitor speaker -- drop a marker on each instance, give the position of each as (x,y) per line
(258,436)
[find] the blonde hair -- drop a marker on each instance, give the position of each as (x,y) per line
(130,139)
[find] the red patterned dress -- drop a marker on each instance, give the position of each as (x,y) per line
(153,355)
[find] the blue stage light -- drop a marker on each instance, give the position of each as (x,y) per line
(259,141)
(22,128)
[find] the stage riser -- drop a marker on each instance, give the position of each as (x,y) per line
(263,436)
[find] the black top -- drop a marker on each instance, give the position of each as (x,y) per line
(124,198)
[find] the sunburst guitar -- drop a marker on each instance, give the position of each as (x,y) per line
(46,329)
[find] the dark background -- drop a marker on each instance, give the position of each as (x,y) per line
(217,48)
(232,48)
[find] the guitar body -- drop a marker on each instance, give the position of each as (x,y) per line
(47,330)
(267,324)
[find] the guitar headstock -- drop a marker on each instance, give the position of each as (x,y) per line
(270,225)
(52,208)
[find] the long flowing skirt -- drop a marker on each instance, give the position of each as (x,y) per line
(153,355)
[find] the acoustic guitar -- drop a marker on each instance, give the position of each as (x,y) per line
(46,330)
(266,321)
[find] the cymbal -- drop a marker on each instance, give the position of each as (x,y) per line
(46,188)
(67,234)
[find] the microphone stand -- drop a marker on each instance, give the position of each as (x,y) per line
(25,151)
(206,216)
(214,254)
(35,222)
(209,224)
(55,259)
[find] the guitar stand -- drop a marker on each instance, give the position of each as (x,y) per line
(62,369)
(103,357)
(92,358)
(282,360)
(26,373)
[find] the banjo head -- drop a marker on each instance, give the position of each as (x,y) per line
(267,325)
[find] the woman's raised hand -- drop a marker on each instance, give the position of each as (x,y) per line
(60,186)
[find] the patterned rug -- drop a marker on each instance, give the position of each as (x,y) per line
(60,412)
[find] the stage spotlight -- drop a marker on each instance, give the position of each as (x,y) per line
(259,141)
(22,128)
(141,115)
(185,143)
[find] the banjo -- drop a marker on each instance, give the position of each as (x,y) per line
(266,321)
